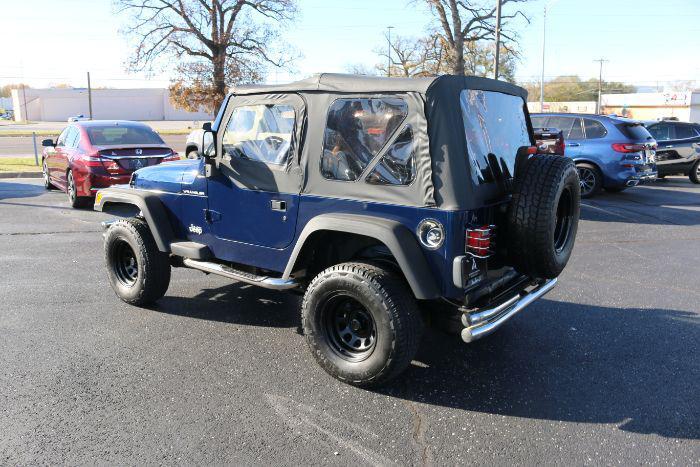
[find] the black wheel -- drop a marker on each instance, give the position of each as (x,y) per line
(45,175)
(361,323)
(590,180)
(543,216)
(193,154)
(138,272)
(615,189)
(694,174)
(73,198)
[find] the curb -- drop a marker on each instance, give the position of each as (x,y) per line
(21,175)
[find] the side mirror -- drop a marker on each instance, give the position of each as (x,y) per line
(48,143)
(208,142)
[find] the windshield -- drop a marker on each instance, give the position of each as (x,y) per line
(495,127)
(108,136)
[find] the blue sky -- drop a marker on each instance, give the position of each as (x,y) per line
(645,41)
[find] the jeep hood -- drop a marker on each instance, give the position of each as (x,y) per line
(166,176)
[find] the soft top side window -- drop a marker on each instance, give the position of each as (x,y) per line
(397,166)
(356,130)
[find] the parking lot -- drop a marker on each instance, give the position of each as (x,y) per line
(603,370)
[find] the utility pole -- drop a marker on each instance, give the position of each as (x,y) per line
(600,85)
(24,98)
(544,41)
(388,68)
(498,39)
(89,95)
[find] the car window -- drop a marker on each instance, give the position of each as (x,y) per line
(261,133)
(660,131)
(61,141)
(539,122)
(356,130)
(397,166)
(72,138)
(561,123)
(594,129)
(685,132)
(113,135)
(576,131)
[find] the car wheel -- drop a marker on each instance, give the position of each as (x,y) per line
(615,189)
(47,180)
(138,272)
(694,174)
(361,323)
(193,154)
(73,198)
(590,180)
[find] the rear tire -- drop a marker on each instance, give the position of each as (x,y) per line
(694,174)
(361,322)
(543,216)
(47,180)
(72,191)
(193,154)
(590,179)
(138,272)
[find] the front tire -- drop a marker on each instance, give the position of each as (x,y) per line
(138,272)
(694,174)
(361,323)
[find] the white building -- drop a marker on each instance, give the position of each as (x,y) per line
(685,106)
(56,105)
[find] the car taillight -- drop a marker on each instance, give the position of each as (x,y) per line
(172,157)
(93,159)
(627,148)
(479,241)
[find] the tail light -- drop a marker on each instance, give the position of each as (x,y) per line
(626,148)
(479,241)
(93,159)
(559,145)
(172,157)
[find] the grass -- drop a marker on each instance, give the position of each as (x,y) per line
(18,164)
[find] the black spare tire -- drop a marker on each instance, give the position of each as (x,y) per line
(543,215)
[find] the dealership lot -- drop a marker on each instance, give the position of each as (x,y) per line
(605,369)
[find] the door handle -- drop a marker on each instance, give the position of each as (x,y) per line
(573,144)
(278,205)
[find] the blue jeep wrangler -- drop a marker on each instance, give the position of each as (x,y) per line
(388,203)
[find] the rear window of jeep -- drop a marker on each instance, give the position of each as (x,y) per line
(356,130)
(494,125)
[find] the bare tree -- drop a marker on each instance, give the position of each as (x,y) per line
(215,43)
(464,22)
(409,57)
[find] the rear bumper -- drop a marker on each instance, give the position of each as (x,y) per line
(482,322)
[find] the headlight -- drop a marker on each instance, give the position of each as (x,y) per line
(431,234)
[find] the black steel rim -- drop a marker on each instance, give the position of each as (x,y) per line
(587,179)
(124,263)
(565,215)
(350,328)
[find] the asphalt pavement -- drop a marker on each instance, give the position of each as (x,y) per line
(603,370)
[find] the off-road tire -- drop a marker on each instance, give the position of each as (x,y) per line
(152,265)
(597,180)
(385,296)
(543,216)
(694,174)
(45,174)
(71,190)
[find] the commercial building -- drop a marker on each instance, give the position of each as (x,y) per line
(54,105)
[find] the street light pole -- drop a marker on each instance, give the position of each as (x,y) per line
(544,41)
(89,95)
(498,39)
(388,68)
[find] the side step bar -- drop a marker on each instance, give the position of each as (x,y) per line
(478,324)
(226,271)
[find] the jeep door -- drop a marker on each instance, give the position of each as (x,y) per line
(254,195)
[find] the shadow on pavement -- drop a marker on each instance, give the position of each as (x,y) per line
(636,368)
(14,190)
(236,303)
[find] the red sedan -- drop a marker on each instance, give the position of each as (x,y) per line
(90,155)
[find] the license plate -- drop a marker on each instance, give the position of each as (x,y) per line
(136,164)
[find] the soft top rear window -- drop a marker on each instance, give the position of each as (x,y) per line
(494,125)
(634,131)
(107,136)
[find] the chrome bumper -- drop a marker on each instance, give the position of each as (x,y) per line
(480,323)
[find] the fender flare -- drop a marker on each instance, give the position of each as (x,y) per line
(150,205)
(395,236)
